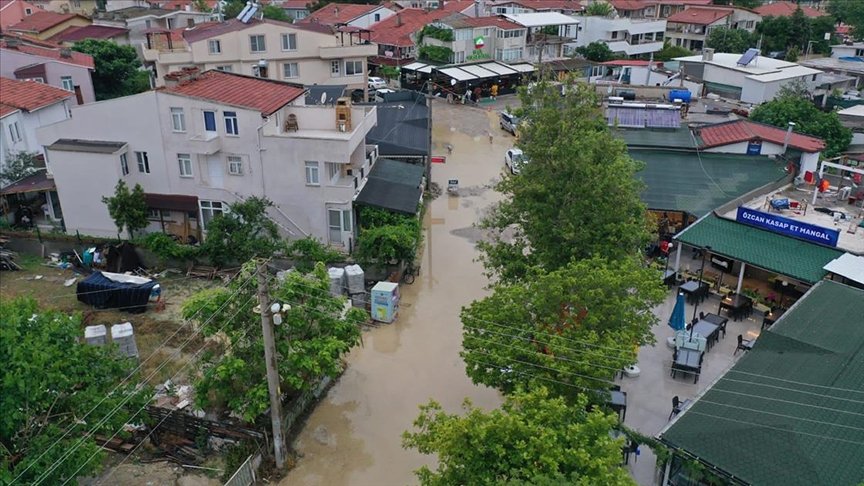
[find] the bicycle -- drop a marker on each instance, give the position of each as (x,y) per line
(410,273)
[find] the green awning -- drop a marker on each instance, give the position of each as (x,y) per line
(789,412)
(777,253)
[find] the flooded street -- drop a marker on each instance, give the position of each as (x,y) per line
(353,437)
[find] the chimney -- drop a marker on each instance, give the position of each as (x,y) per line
(66,52)
(398,20)
(190,23)
(707,54)
(336,11)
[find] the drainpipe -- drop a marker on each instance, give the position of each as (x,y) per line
(259,134)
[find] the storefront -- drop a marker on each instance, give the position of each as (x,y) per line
(460,78)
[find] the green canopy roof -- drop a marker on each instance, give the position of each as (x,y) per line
(700,183)
(791,410)
(787,256)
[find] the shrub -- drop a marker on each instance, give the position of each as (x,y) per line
(308,251)
(166,248)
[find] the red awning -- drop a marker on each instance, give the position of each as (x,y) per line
(38,182)
(172,202)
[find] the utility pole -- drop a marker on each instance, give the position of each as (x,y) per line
(272,370)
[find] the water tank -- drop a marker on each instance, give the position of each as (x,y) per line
(96,335)
(680,94)
(124,337)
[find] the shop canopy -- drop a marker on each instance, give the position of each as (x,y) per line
(419,67)
(849,266)
(793,401)
(38,182)
(794,258)
(484,70)
(393,185)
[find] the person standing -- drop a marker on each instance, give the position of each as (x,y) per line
(477,93)
(494,91)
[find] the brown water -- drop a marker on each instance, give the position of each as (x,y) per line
(354,435)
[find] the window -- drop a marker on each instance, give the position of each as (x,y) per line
(14,132)
(66,82)
(76,3)
(178,120)
(510,34)
(377,17)
(209,121)
(124,164)
(614,34)
(225,69)
(211,209)
(185,163)
(334,68)
(290,70)
(312,174)
(235,165)
(147,24)
(143,162)
(214,46)
(859,52)
(289,42)
(333,171)
(353,68)
(256,43)
(154,214)
(231,126)
(459,57)
(513,54)
(28,11)
(463,34)
(814,78)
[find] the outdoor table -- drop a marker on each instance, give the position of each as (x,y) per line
(736,304)
(618,403)
(688,362)
(693,290)
(669,277)
(717,319)
(771,318)
(709,330)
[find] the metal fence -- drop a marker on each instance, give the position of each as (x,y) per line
(245,474)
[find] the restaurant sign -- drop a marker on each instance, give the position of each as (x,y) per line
(788,227)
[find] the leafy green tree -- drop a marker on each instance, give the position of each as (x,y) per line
(739,3)
(670,52)
(386,236)
(793,105)
(577,197)
(533,439)
(800,30)
(570,329)
(50,381)
(849,12)
(596,51)
(117,68)
(600,9)
(792,54)
(242,233)
(18,166)
(734,41)
(306,252)
(774,32)
(127,208)
(275,12)
(310,342)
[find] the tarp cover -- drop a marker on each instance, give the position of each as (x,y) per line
(103,293)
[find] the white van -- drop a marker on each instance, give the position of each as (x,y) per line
(508,122)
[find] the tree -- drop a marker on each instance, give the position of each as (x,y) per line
(739,3)
(18,166)
(533,439)
(50,381)
(670,52)
(774,32)
(242,233)
(570,329)
(799,29)
(596,51)
(117,68)
(781,33)
(734,41)
(127,209)
(275,12)
(314,335)
(600,9)
(850,12)
(577,197)
(792,54)
(793,105)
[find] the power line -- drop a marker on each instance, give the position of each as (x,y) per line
(750,395)
(131,373)
(703,400)
(546,368)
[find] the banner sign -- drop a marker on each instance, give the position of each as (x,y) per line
(788,227)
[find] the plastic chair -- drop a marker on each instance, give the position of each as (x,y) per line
(676,407)
(743,345)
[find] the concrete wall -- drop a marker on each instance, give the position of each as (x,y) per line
(366,21)
(54,70)
(28,124)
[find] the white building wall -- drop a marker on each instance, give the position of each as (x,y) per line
(768,148)
(366,21)
(28,123)
(13,60)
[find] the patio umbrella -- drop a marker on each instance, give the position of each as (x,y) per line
(676,320)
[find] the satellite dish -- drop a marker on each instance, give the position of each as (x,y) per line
(323,97)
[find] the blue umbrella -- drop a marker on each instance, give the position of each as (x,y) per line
(677,320)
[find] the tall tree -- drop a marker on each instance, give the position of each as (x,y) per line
(314,335)
(242,233)
(275,12)
(577,197)
(18,166)
(50,381)
(793,105)
(127,208)
(800,30)
(596,51)
(670,52)
(735,41)
(533,439)
(849,12)
(570,330)
(118,69)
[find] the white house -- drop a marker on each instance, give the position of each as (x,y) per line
(208,140)
(624,35)
(690,28)
(141,20)
(750,78)
(361,16)
(853,49)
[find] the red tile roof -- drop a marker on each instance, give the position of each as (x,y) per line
(628,5)
(6,109)
(541,5)
(42,21)
(264,95)
(699,15)
(786,9)
(295,4)
(77,33)
(684,2)
(746,130)
(53,53)
(14,11)
(30,95)
(396,30)
(500,22)
(339,13)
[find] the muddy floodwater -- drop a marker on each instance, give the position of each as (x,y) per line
(354,435)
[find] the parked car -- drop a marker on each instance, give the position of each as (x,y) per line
(508,122)
(379,94)
(377,83)
(514,159)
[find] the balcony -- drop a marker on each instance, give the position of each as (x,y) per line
(317,129)
(164,55)
(633,49)
(206,143)
(339,52)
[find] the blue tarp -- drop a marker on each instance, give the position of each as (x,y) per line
(103,293)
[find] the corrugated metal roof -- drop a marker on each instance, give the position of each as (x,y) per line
(790,411)
(797,259)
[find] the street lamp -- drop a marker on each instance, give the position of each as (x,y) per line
(699,285)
